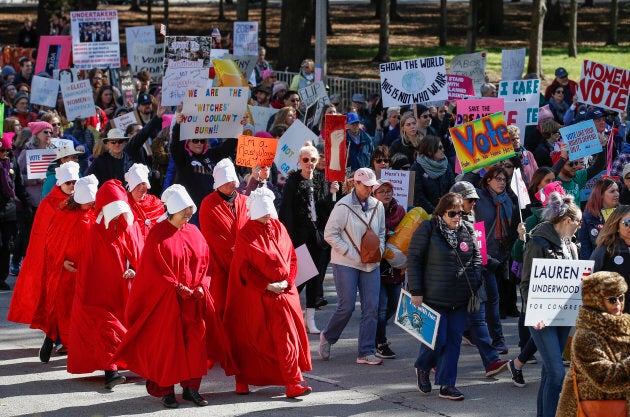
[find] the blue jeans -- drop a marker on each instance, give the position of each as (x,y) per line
(446,354)
(550,342)
(492,306)
(481,338)
(347,281)
(387,304)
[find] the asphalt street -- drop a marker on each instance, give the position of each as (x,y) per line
(340,386)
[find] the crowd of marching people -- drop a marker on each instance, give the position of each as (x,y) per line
(139,248)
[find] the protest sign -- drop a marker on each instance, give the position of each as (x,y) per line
(306,268)
(314,98)
(138,34)
(148,57)
(289,146)
(523,90)
(60,143)
(123,79)
(335,147)
(604,86)
(555,287)
(403,182)
(252,151)
(214,112)
(482,142)
(1,118)
(44,91)
(471,65)
(246,38)
(78,99)
(473,109)
(459,86)
(65,76)
(582,139)
(53,53)
(187,51)
(480,234)
(413,81)
(125,120)
(520,189)
(261,116)
(515,113)
(245,63)
(37,161)
(177,81)
(420,322)
(95,39)
(512,63)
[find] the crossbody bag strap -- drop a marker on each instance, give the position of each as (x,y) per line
(359,217)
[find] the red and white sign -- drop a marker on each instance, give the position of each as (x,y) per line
(37,161)
(335,147)
(604,86)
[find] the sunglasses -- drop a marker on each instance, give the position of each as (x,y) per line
(382,161)
(425,116)
(573,163)
(627,177)
(452,214)
(295,100)
(559,91)
(55,124)
(626,222)
(4,150)
(508,166)
(115,142)
(613,300)
(196,141)
(306,160)
(47,132)
(471,200)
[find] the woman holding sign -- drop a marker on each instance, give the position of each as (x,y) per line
(551,240)
(603,200)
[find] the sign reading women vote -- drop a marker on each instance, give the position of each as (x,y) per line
(413,81)
(420,322)
(78,99)
(482,142)
(214,112)
(604,86)
(95,42)
(555,288)
(523,90)
(252,151)
(582,139)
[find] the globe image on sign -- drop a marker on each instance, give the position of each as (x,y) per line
(413,81)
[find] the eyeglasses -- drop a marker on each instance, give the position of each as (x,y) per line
(115,142)
(471,200)
(452,214)
(425,116)
(196,141)
(4,150)
(55,124)
(559,91)
(508,166)
(627,177)
(395,117)
(579,222)
(382,161)
(306,160)
(47,132)
(440,148)
(385,192)
(295,100)
(626,222)
(574,163)
(500,179)
(613,300)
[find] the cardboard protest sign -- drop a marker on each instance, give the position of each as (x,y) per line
(78,99)
(65,76)
(335,147)
(604,86)
(482,142)
(289,146)
(314,98)
(44,91)
(187,51)
(261,116)
(473,109)
(123,79)
(214,112)
(480,234)
(245,63)
(515,113)
(125,120)
(138,34)
(95,42)
(252,151)
(420,322)
(403,182)
(53,53)
(459,86)
(523,90)
(471,65)
(512,63)
(177,82)
(582,139)
(520,189)
(37,161)
(148,57)
(413,81)
(60,143)
(246,38)
(306,267)
(555,291)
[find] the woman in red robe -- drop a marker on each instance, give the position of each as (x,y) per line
(170,311)
(65,245)
(263,316)
(98,312)
(31,282)
(146,208)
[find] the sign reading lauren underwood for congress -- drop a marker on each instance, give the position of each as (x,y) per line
(555,291)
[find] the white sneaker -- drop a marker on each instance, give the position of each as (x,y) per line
(369,360)
(324,347)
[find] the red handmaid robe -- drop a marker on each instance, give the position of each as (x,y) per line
(65,240)
(266,330)
(219,226)
(98,311)
(166,338)
(146,212)
(31,280)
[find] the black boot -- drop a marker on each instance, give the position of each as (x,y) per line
(193,395)
(113,378)
(170,401)
(46,350)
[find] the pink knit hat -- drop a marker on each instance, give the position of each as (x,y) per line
(544,112)
(266,73)
(37,127)
(543,194)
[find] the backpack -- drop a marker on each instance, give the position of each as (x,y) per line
(370,243)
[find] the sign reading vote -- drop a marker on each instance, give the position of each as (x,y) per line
(555,289)
(604,86)
(582,139)
(252,151)
(482,142)
(420,80)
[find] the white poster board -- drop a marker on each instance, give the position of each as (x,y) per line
(555,291)
(515,113)
(138,34)
(125,120)
(78,99)
(306,267)
(512,64)
(523,90)
(148,57)
(177,81)
(471,65)
(44,91)
(403,185)
(289,147)
(413,81)
(261,116)
(95,42)
(214,112)
(246,38)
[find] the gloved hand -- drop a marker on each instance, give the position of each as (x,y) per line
(197,293)
(183,291)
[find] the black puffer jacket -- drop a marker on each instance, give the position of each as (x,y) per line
(434,271)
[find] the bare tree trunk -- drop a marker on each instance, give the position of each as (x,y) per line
(263,23)
(242,10)
(135,6)
(492,15)
(536,38)
(443,23)
(166,12)
(297,24)
(614,22)
(149,12)
(573,29)
(221,10)
(471,30)
(383,35)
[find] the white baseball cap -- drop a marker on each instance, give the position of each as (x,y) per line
(366,176)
